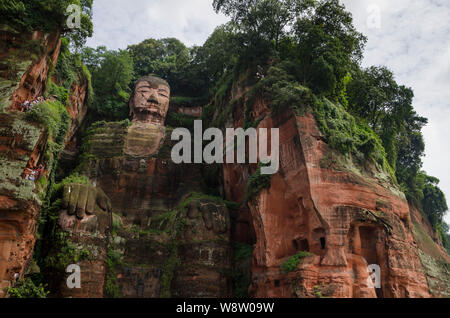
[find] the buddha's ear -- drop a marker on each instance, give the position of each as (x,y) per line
(130,106)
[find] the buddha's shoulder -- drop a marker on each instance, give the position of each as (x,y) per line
(106,138)
(105,128)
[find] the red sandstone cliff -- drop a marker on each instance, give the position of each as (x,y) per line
(345,217)
(34,81)
(24,144)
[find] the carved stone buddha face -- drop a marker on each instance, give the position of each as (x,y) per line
(150,101)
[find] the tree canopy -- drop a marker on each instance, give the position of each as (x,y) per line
(48,15)
(112,73)
(316,43)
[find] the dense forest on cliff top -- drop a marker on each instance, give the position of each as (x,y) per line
(308,51)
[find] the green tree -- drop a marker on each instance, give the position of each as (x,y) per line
(374,95)
(93,58)
(217,56)
(168,58)
(434,203)
(26,288)
(266,19)
(317,35)
(48,15)
(112,73)
(327,46)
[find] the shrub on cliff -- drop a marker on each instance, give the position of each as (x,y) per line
(256,183)
(293,261)
(69,71)
(25,288)
(54,116)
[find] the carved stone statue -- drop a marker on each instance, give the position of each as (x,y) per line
(150,101)
(148,104)
(136,184)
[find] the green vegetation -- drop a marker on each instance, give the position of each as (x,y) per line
(54,250)
(169,270)
(242,251)
(47,15)
(202,196)
(69,71)
(68,253)
(292,263)
(318,292)
(436,267)
(256,183)
(322,45)
(64,252)
(348,134)
(180,120)
(241,276)
(376,98)
(112,261)
(168,58)
(112,74)
(433,202)
(26,288)
(54,116)
(363,113)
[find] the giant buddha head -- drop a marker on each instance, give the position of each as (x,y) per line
(150,100)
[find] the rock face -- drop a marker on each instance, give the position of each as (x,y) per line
(146,229)
(167,242)
(23,75)
(24,66)
(20,201)
(33,82)
(347,218)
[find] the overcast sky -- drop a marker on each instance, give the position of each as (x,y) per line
(411,37)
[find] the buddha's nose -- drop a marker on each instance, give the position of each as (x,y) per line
(153,98)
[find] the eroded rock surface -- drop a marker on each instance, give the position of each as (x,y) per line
(348,218)
(26,63)
(163,237)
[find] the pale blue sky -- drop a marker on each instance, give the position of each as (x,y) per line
(413,39)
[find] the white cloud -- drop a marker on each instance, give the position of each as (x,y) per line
(413,41)
(119,23)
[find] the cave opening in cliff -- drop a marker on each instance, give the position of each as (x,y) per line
(294,242)
(368,237)
(304,245)
(322,242)
(318,241)
(300,245)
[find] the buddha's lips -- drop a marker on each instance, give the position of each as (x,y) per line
(151,107)
(153,110)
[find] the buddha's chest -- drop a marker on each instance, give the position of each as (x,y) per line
(143,139)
